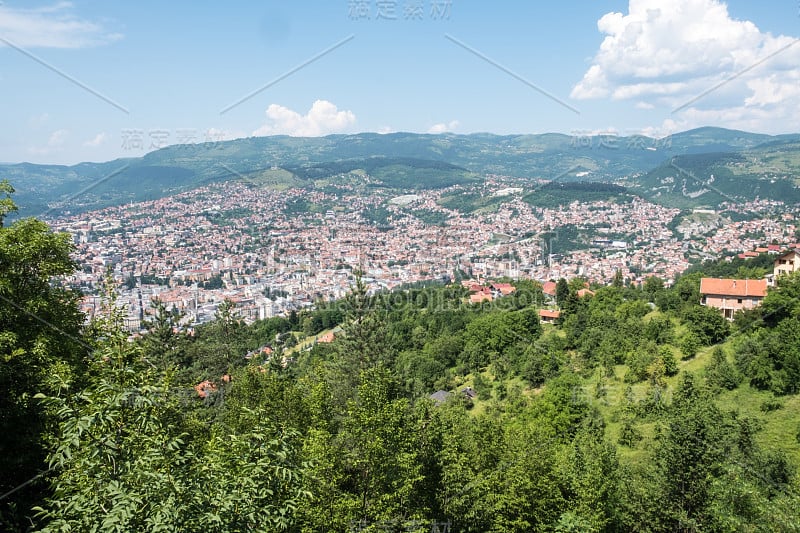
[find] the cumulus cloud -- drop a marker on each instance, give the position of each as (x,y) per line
(694,57)
(96,141)
(51,26)
(444,127)
(55,143)
(57,138)
(323,118)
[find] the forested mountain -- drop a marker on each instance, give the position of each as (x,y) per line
(640,411)
(673,170)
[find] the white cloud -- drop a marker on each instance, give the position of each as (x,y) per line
(384,130)
(96,141)
(52,26)
(57,138)
(55,143)
(693,55)
(443,127)
(323,118)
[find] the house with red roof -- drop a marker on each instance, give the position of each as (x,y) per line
(480,297)
(549,290)
(327,337)
(549,316)
(731,295)
(504,288)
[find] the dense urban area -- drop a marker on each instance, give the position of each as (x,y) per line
(270,252)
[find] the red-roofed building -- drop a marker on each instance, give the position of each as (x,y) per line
(549,290)
(326,338)
(731,295)
(549,316)
(504,288)
(480,297)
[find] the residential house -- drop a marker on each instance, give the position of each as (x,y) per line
(502,289)
(786,263)
(731,295)
(326,337)
(549,290)
(549,316)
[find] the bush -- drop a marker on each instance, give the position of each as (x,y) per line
(771,404)
(720,373)
(689,345)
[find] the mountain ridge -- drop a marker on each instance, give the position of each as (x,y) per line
(412,161)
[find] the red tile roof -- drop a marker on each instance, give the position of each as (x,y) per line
(328,337)
(549,288)
(479,297)
(734,287)
(504,288)
(547,313)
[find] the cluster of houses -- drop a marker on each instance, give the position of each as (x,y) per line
(480,293)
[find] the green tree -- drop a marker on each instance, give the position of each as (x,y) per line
(562,291)
(41,351)
(689,345)
(380,451)
(591,472)
(720,373)
(668,358)
(7,205)
(653,286)
(123,461)
(688,455)
(707,323)
(162,344)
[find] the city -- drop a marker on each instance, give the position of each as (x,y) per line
(244,243)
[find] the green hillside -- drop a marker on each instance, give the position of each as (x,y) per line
(413,161)
(641,410)
(767,171)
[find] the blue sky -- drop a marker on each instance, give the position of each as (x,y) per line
(95,80)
